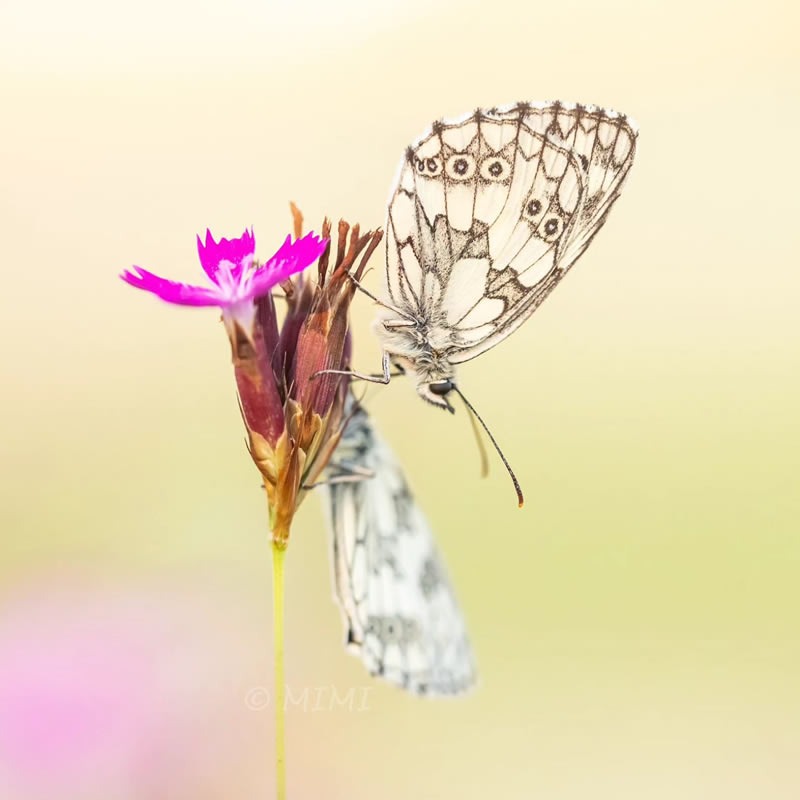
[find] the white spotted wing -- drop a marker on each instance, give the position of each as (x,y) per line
(490,211)
(402,617)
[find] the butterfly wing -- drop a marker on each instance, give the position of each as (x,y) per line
(402,616)
(491,210)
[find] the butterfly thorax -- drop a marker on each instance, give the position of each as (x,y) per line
(421,349)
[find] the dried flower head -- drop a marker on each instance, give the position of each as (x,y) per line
(293,414)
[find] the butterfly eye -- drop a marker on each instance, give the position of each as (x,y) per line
(495,168)
(441,388)
(460,167)
(533,210)
(552,229)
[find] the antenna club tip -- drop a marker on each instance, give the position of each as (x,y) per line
(521,502)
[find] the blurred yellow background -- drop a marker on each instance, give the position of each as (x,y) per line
(636,625)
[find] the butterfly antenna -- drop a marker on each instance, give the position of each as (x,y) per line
(517,488)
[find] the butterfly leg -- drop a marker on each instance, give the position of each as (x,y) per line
(369,294)
(383,378)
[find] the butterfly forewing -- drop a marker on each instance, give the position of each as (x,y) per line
(489,212)
(390,581)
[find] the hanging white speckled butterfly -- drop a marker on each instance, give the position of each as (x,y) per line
(401,614)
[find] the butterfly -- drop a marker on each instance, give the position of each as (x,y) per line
(401,614)
(487,214)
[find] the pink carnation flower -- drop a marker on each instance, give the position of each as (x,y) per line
(290,373)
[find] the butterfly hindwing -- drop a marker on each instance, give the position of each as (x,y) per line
(402,616)
(489,211)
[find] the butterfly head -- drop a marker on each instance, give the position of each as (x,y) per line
(435,392)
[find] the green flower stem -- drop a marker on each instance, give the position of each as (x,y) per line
(278,556)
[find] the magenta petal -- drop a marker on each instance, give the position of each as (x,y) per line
(284,251)
(309,248)
(233,250)
(292,257)
(306,250)
(171,291)
(229,265)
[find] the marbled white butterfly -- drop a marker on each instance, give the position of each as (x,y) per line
(401,614)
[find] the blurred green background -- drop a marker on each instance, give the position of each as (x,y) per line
(636,625)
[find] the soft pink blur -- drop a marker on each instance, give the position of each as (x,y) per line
(116,693)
